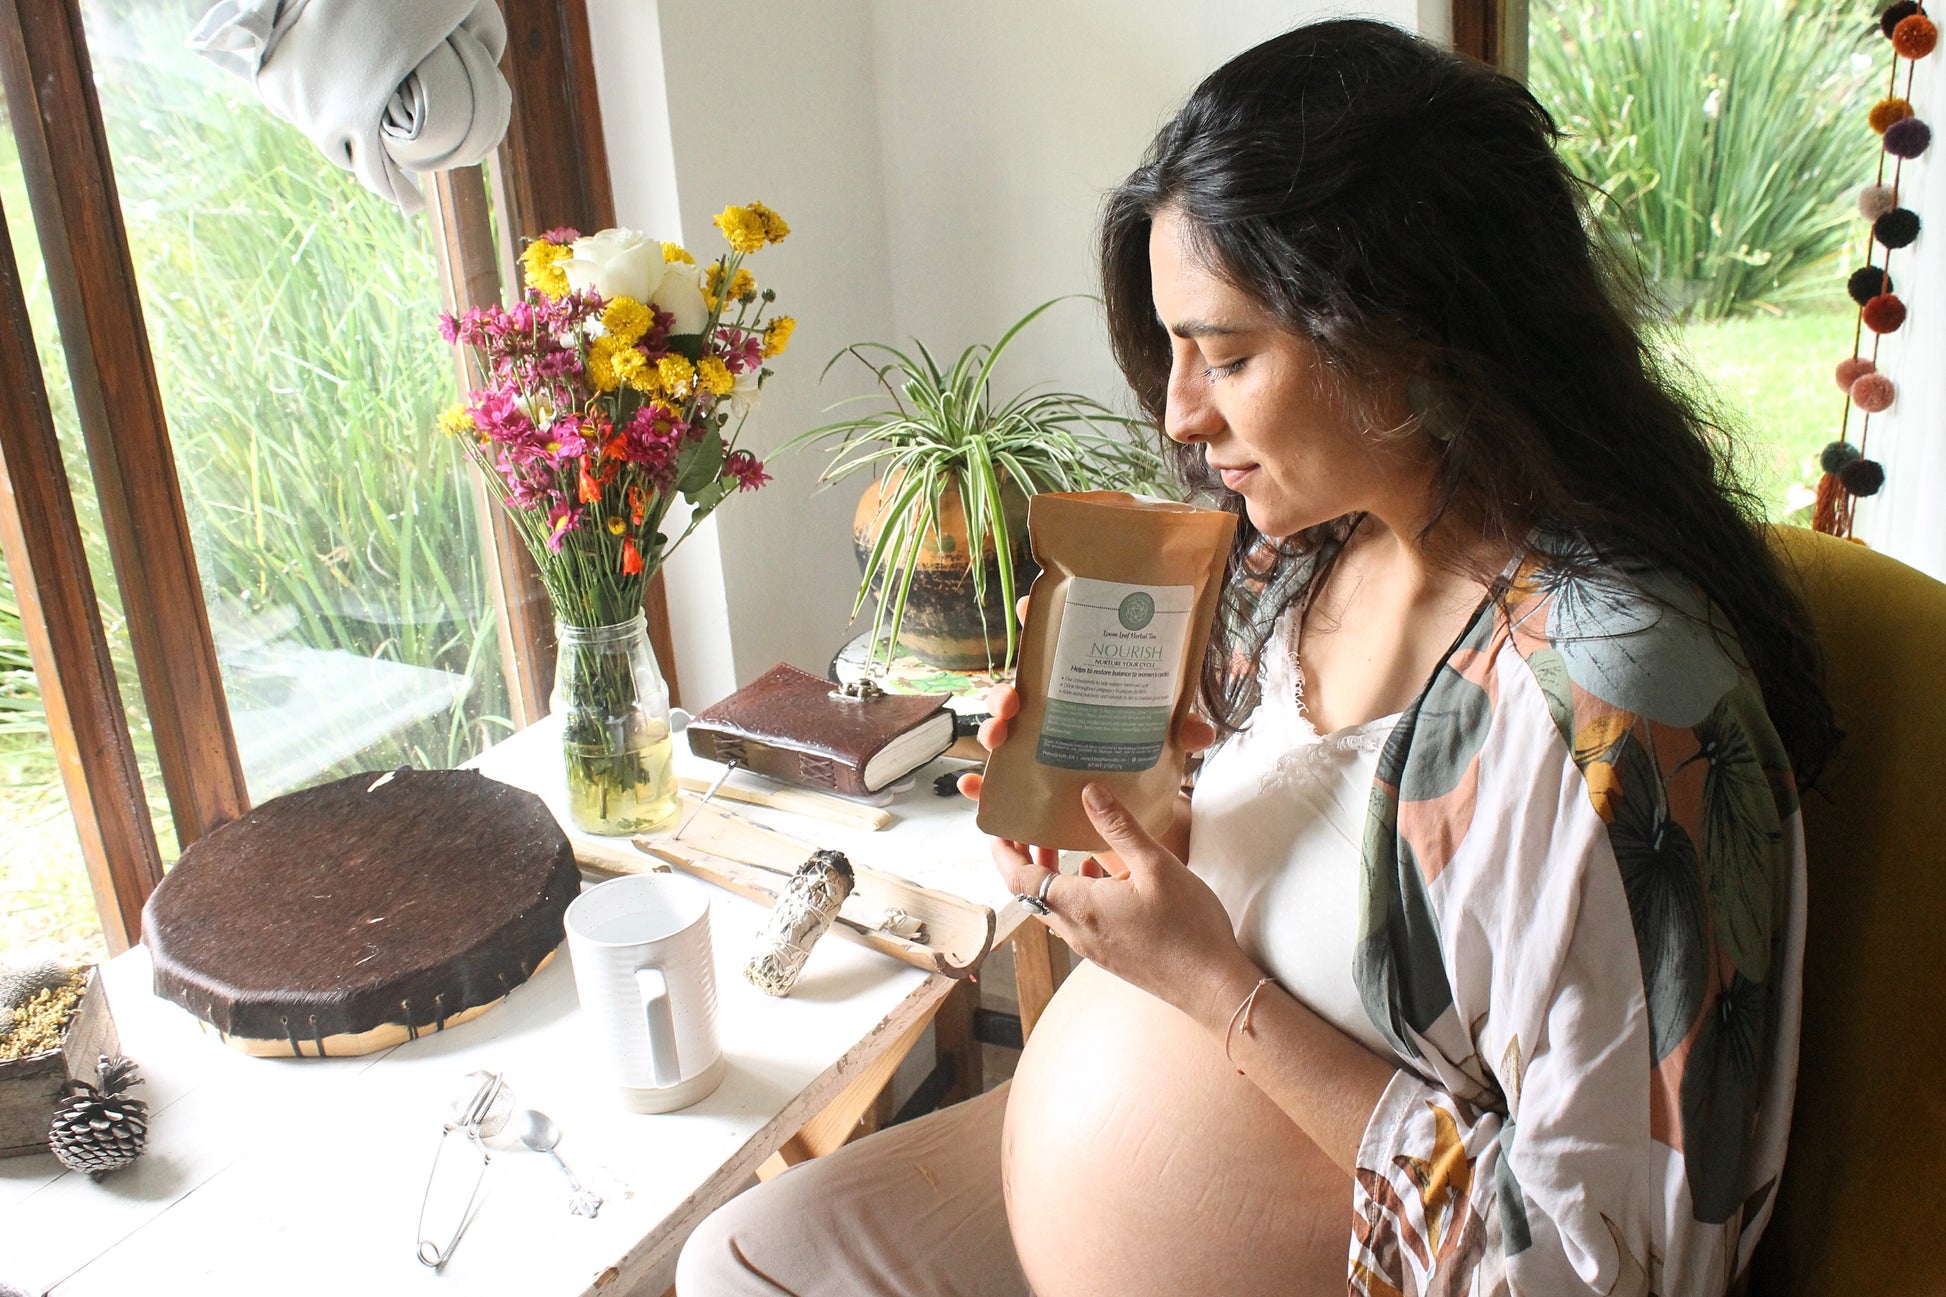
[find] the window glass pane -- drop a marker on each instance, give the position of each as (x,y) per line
(292,318)
(1731,137)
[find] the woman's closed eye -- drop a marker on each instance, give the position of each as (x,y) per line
(1214,371)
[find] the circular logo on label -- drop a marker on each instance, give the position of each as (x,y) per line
(1136,611)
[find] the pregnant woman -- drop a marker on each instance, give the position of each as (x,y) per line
(1471,962)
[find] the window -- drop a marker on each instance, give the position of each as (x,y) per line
(355,607)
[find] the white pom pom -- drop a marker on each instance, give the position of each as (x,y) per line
(1875,201)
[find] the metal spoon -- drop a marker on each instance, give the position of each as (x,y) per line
(537,1131)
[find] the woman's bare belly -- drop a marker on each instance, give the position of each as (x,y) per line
(1137,1161)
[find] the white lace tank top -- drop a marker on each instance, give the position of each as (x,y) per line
(1277,825)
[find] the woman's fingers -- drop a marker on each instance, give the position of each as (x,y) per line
(1132,844)
(992,733)
(1003,701)
(1196,734)
(969,784)
(1020,609)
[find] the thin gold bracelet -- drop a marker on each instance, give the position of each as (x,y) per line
(1243,1014)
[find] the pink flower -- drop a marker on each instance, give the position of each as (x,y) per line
(560,521)
(562,234)
(741,351)
(747,469)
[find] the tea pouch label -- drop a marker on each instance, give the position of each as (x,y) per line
(1117,662)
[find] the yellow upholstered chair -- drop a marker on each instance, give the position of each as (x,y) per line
(1859,1208)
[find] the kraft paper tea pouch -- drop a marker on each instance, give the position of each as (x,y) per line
(1117,624)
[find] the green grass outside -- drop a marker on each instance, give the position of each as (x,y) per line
(1773,375)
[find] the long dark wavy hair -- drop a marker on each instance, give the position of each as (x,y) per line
(1402,208)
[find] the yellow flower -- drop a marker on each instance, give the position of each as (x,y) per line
(615,525)
(777,335)
(743,284)
(676,252)
(541,265)
(775,230)
(630,365)
(455,419)
(676,374)
(626,320)
(742,227)
(601,364)
(715,376)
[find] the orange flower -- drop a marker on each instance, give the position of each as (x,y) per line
(638,506)
(590,490)
(631,558)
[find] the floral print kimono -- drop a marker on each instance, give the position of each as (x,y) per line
(1582,932)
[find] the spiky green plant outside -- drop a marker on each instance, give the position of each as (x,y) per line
(1727,134)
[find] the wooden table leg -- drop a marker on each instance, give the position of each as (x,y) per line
(955,1045)
(839,1120)
(1040,966)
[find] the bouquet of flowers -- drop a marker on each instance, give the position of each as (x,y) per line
(609,389)
(617,383)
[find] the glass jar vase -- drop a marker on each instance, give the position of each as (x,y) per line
(615,739)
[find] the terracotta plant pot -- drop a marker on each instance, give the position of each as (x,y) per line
(944,624)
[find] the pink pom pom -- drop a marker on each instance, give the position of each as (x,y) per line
(1851,369)
(1873,393)
(1875,201)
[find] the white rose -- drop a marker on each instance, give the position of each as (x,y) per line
(681,294)
(616,263)
(746,395)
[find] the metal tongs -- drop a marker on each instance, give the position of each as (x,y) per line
(469,1118)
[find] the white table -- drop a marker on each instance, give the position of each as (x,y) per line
(305,1176)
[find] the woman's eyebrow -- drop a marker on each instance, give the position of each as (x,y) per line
(1204,329)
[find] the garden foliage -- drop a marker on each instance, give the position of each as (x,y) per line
(1727,134)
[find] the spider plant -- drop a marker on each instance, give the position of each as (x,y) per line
(932,430)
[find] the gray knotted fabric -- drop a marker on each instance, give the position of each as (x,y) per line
(383,87)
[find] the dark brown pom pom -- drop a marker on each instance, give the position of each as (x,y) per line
(1868,282)
(1862,477)
(1888,22)
(1896,228)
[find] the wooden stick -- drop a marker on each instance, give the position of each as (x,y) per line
(798,801)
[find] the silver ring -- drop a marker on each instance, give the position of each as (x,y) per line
(1033,904)
(1046,883)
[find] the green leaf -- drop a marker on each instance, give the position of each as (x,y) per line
(1663,882)
(700,465)
(1740,832)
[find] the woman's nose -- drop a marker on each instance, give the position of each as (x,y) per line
(1189,415)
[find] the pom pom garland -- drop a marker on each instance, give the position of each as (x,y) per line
(1868,282)
(1873,393)
(1886,111)
(1836,456)
(1875,201)
(1848,476)
(1897,228)
(1888,22)
(1850,370)
(1884,313)
(1862,477)
(1915,36)
(1907,139)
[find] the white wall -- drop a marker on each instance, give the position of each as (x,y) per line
(941,166)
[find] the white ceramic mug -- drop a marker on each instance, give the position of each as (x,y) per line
(642,968)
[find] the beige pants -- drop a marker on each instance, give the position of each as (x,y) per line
(914,1211)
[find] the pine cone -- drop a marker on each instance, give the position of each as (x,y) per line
(98,1129)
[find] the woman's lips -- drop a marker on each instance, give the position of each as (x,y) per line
(1234,478)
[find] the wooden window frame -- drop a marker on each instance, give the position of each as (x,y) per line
(1493,31)
(552,170)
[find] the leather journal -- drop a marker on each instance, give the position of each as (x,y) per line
(797,727)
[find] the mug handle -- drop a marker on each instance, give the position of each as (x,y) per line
(654,988)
